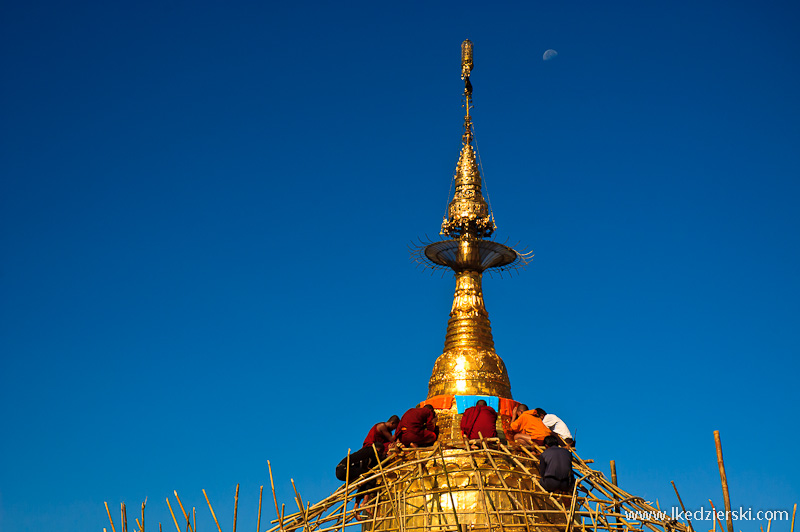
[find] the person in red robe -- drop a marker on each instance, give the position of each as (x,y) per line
(479,420)
(418,427)
(381,435)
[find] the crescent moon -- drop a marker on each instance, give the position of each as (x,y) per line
(549,54)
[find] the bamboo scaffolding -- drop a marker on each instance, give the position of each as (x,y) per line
(484,499)
(449,489)
(411,486)
(506,489)
(424,494)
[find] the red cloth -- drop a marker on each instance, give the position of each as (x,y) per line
(479,419)
(374,436)
(418,426)
(507,407)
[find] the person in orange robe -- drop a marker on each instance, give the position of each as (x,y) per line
(381,435)
(526,427)
(479,420)
(417,427)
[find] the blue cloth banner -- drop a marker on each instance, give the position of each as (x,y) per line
(465,401)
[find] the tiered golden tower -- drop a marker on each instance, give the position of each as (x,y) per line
(469,365)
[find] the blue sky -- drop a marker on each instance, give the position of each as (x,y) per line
(205,213)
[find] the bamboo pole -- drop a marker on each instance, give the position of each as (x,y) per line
(793,514)
(235,507)
(424,495)
(533,478)
(274,497)
(143,504)
(716,517)
(260,495)
(386,484)
(124,517)
(297,497)
(449,489)
(571,514)
(484,497)
(513,499)
(109,518)
(525,469)
(726,496)
(346,484)
(194,518)
(173,516)
(212,511)
(185,515)
(614,482)
(683,508)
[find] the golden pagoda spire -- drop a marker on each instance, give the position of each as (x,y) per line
(469,364)
(468,213)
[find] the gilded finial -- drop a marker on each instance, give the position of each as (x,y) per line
(466,68)
(468,214)
(466,58)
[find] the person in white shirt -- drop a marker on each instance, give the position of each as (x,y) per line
(554,423)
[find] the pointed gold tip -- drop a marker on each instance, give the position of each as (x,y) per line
(466,59)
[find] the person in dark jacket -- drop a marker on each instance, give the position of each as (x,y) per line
(555,466)
(361,462)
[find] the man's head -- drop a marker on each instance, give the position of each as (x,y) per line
(480,402)
(393,422)
(552,441)
(522,408)
(540,412)
(430,407)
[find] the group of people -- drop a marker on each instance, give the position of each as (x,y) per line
(531,427)
(418,428)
